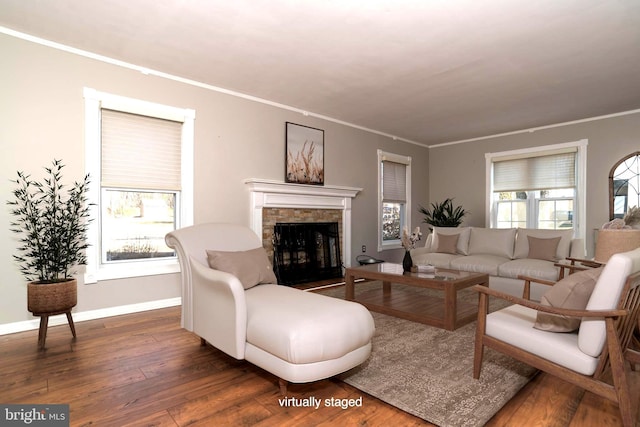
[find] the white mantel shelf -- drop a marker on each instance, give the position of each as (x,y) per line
(278,194)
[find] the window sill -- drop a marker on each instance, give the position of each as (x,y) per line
(132,269)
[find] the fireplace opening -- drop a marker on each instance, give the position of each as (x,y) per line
(306,252)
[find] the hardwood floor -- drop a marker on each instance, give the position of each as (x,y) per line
(144,370)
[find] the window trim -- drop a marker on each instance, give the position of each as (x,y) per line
(397,158)
(581,177)
(94,102)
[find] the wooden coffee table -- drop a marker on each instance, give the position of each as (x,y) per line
(447,312)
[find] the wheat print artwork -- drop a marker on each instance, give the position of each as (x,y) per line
(305,155)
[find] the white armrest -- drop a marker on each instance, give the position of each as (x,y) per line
(577,249)
(219,309)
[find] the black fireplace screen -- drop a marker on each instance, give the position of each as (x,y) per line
(306,252)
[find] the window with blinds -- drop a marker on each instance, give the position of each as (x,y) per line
(394,190)
(141,180)
(141,153)
(535,191)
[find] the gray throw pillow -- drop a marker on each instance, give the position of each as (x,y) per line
(251,267)
(544,249)
(572,292)
(448,243)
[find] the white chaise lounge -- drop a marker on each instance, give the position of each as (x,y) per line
(298,336)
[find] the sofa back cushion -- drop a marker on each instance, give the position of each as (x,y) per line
(606,296)
(462,245)
(492,241)
(522,241)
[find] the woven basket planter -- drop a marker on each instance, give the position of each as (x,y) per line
(52,297)
(615,241)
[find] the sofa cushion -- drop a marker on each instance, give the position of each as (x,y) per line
(438,260)
(522,241)
(303,327)
(447,243)
(572,292)
(250,267)
(479,263)
(528,267)
(492,241)
(544,249)
(462,244)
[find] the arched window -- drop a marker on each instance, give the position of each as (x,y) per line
(624,185)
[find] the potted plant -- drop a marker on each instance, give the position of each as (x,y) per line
(443,214)
(52,222)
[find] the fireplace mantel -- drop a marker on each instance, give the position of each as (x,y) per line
(277,194)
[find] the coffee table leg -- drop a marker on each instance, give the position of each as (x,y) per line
(349,287)
(386,288)
(450,308)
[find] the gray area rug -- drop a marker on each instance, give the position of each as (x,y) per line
(428,372)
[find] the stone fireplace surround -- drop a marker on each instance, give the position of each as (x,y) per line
(276,201)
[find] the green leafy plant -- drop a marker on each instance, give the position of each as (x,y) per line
(443,214)
(52,222)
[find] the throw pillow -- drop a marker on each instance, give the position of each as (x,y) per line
(522,241)
(463,238)
(250,267)
(572,292)
(544,249)
(448,243)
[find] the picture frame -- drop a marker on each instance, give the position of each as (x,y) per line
(304,154)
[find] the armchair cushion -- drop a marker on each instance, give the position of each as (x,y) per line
(251,267)
(572,292)
(513,325)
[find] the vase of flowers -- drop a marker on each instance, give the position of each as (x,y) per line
(409,242)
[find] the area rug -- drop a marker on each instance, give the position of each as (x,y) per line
(428,372)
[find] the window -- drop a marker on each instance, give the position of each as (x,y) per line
(394,201)
(140,158)
(538,188)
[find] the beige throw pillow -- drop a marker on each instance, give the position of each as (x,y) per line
(250,267)
(463,237)
(572,292)
(544,249)
(448,243)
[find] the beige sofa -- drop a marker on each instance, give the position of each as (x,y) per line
(504,254)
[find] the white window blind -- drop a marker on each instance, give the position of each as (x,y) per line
(394,182)
(140,152)
(535,173)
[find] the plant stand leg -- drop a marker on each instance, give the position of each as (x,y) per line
(42,333)
(71,325)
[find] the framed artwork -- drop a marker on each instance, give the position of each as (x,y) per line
(304,163)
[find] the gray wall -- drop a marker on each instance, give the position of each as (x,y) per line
(42,118)
(459,170)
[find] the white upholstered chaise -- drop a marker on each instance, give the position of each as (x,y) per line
(297,336)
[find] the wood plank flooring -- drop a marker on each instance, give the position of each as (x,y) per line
(144,370)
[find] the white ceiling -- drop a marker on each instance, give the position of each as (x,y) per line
(429,71)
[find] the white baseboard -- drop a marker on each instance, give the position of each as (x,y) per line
(27,325)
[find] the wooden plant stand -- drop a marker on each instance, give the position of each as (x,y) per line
(44,323)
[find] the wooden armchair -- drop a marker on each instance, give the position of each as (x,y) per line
(600,346)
